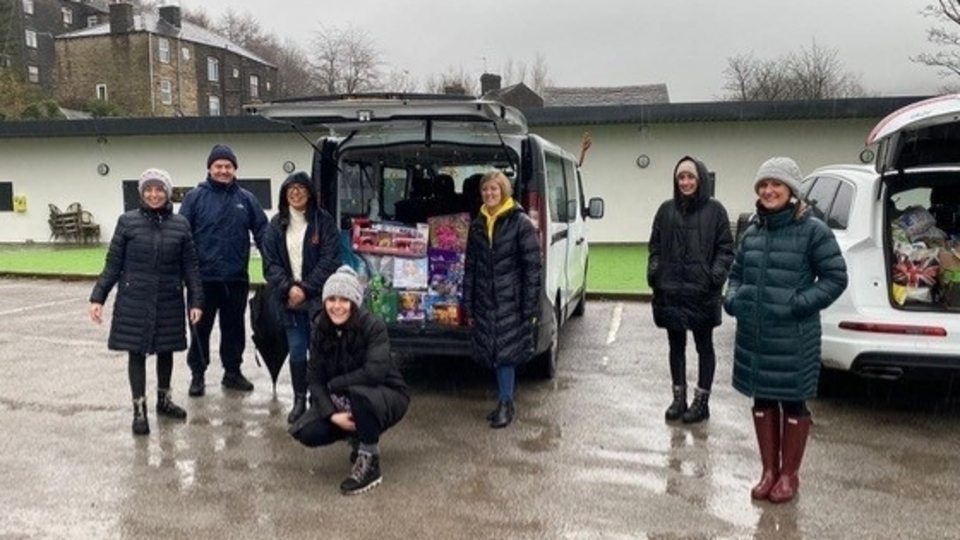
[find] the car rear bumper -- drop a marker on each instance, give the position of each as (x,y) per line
(429,339)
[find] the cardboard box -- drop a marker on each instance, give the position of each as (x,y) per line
(385,238)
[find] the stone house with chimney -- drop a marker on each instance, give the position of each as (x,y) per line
(159,65)
(28,29)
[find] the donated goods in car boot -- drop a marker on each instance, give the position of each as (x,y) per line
(414,271)
(925,259)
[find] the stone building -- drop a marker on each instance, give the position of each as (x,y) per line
(158,65)
(28,29)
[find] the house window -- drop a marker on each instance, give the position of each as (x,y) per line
(163,44)
(268,86)
(67,16)
(92,21)
(236,73)
(102,92)
(185,53)
(214,106)
(28,7)
(254,86)
(33,74)
(6,196)
(213,69)
(31,38)
(166,92)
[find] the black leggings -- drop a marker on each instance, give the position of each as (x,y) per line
(703,338)
(323,432)
(137,372)
(790,408)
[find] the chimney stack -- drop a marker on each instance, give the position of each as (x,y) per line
(489,82)
(171,15)
(121,18)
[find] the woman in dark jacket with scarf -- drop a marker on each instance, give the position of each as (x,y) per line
(690,253)
(356,389)
(152,255)
(501,288)
(300,250)
(788,268)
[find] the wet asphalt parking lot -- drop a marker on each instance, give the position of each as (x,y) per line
(588,457)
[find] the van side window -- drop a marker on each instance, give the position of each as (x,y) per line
(356,189)
(839,216)
(394,189)
(821,195)
(556,189)
(830,200)
(571,204)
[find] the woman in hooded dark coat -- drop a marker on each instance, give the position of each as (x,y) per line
(690,253)
(501,288)
(356,389)
(301,250)
(152,256)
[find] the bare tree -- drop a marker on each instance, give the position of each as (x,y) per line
(294,77)
(535,76)
(345,60)
(454,78)
(947,59)
(399,80)
(814,73)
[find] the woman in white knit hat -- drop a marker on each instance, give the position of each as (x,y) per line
(152,251)
(787,269)
(356,389)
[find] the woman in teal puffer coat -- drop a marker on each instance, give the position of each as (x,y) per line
(787,269)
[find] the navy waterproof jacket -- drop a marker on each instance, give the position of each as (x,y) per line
(222,217)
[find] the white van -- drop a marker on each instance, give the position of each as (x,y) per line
(406,158)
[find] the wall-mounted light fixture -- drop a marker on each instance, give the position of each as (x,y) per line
(643,161)
(289,166)
(866,156)
(103,169)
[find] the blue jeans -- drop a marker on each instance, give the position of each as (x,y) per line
(298,337)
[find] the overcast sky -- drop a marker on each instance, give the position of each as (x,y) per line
(683,43)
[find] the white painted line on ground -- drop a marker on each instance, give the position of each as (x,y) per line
(615,323)
(37,306)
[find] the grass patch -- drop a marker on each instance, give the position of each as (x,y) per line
(619,268)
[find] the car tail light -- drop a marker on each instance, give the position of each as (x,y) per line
(885,328)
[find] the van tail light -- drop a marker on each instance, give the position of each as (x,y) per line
(534,206)
(903,329)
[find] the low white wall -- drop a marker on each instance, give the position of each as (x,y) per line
(63,170)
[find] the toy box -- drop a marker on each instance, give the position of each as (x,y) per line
(385,238)
(442,309)
(381,300)
(446,272)
(411,306)
(449,232)
(410,273)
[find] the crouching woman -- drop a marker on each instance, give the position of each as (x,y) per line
(356,390)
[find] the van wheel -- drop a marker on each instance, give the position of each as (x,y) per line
(545,364)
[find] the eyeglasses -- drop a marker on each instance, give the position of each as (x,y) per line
(297,187)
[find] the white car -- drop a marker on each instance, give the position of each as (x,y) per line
(898,315)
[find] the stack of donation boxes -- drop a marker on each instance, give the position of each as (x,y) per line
(926,261)
(414,272)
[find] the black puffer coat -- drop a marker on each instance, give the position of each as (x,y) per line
(151,256)
(690,253)
(354,360)
(501,288)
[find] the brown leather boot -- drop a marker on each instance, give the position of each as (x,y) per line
(766,422)
(793,443)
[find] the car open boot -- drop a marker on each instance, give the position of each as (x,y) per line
(792,445)
(766,423)
(679,404)
(166,406)
(364,476)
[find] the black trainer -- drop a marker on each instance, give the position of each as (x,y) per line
(364,476)
(236,381)
(197,386)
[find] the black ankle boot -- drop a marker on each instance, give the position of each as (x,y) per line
(699,409)
(364,476)
(679,405)
(166,406)
(503,415)
(140,424)
(299,407)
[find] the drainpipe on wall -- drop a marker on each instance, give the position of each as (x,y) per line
(153,97)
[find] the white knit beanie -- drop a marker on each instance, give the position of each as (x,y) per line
(782,169)
(155,176)
(344,283)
